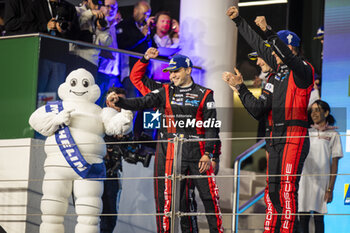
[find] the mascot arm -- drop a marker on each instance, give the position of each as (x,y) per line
(47,123)
(117,123)
(128,115)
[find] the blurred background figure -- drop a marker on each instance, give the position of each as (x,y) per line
(2,21)
(133,34)
(320,34)
(15,16)
(165,40)
(316,91)
(55,17)
(94,29)
(163,35)
(109,70)
(320,167)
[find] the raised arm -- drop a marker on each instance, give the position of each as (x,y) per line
(137,75)
(304,72)
(252,38)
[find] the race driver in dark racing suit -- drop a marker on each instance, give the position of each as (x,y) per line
(181,104)
(145,85)
(285,99)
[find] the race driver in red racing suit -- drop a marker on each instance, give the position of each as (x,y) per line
(182,102)
(145,85)
(285,99)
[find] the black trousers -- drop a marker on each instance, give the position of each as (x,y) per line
(318,220)
(207,189)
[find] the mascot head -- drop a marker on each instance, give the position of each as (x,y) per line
(79,86)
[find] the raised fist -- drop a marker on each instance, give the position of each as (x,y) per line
(112,98)
(232,12)
(260,21)
(151,53)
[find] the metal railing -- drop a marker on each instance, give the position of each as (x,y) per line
(236,209)
(88,45)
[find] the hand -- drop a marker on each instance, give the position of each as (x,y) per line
(51,25)
(151,20)
(328,196)
(215,166)
(99,27)
(204,163)
(63,117)
(257,82)
(233,79)
(145,30)
(260,21)
(175,26)
(151,53)
(98,14)
(118,17)
(316,84)
(59,29)
(232,12)
(112,99)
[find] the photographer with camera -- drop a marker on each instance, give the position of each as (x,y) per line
(95,29)
(55,17)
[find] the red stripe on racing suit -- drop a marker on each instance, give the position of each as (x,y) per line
(183,102)
(287,97)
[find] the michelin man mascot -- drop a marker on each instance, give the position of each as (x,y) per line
(75,149)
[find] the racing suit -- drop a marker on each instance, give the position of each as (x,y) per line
(284,102)
(146,85)
(194,103)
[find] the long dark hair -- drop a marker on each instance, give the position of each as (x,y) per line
(325,107)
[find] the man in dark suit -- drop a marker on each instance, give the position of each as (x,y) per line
(15,15)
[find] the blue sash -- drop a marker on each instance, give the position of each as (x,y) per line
(71,151)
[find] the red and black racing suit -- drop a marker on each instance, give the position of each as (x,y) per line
(284,101)
(182,104)
(145,85)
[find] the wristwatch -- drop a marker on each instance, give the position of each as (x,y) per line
(238,86)
(210,155)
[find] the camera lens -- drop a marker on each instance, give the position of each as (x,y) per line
(64,25)
(103,23)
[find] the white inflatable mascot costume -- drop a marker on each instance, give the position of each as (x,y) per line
(75,149)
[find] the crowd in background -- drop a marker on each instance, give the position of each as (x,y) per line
(100,23)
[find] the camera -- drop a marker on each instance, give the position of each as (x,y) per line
(131,153)
(102,21)
(62,17)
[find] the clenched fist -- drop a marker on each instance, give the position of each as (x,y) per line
(232,12)
(151,53)
(112,98)
(260,21)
